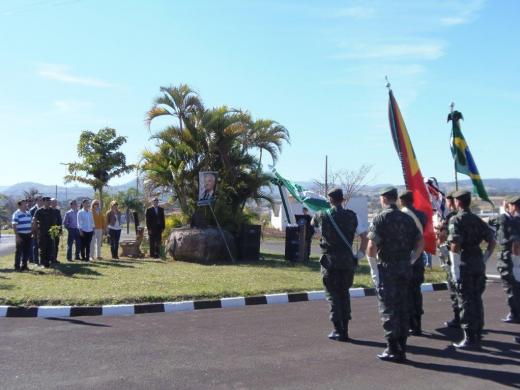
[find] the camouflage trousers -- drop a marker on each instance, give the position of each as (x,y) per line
(337,283)
(393,296)
(452,288)
(415,298)
(469,295)
(512,290)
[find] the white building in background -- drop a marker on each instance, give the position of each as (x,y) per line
(358,204)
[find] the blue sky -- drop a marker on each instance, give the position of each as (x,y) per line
(317,67)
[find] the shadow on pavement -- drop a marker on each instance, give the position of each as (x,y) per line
(504,378)
(77,322)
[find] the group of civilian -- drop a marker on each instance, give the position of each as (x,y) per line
(86,226)
(38,242)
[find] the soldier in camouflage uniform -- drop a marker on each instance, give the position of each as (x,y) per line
(468,266)
(397,242)
(415,300)
(338,262)
(442,234)
(508,232)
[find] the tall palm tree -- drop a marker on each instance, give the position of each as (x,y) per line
(220,139)
(267,135)
(181,102)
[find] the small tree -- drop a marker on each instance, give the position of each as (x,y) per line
(100,158)
(31,193)
(350,181)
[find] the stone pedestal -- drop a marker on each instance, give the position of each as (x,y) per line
(132,248)
(204,246)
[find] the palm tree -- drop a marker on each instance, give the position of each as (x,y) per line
(181,102)
(219,139)
(267,135)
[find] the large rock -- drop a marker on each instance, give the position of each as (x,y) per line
(204,246)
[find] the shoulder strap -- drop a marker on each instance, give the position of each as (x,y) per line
(340,233)
(410,213)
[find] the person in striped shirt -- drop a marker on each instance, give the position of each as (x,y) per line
(22,223)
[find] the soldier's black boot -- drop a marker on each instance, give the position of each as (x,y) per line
(402,348)
(391,353)
(511,319)
(343,334)
(469,341)
(337,331)
(415,326)
(455,322)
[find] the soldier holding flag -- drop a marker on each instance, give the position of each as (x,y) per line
(468,267)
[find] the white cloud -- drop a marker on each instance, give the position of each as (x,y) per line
(463,13)
(356,12)
(71,105)
(393,51)
(62,73)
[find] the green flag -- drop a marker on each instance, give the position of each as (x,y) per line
(464,162)
(314,203)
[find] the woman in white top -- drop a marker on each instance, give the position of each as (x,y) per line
(114,228)
(86,229)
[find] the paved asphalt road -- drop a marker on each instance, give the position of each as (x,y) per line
(7,244)
(254,347)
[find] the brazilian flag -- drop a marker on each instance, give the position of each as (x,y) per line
(464,162)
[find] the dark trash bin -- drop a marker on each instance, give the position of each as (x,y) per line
(292,242)
(249,242)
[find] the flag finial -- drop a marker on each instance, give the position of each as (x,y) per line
(388,85)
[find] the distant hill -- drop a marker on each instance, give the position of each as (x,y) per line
(63,192)
(494,187)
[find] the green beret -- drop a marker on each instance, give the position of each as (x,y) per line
(389,191)
(406,195)
(449,195)
(461,194)
(513,199)
(336,193)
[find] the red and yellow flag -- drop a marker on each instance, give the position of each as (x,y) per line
(411,171)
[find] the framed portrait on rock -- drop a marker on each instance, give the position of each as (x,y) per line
(207,187)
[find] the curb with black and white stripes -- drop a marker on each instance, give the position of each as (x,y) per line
(172,307)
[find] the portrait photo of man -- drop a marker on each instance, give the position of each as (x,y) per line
(207,187)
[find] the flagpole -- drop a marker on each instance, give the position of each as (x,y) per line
(452,106)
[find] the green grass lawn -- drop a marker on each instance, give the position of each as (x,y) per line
(150,280)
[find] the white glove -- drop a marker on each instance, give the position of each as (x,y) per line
(360,254)
(487,255)
(515,259)
(444,253)
(414,257)
(374,270)
(455,266)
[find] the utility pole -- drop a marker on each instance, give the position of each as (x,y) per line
(326,175)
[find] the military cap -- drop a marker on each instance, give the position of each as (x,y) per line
(406,195)
(460,194)
(46,198)
(513,199)
(336,193)
(389,191)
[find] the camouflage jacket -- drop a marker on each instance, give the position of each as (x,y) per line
(331,242)
(468,230)
(395,234)
(508,231)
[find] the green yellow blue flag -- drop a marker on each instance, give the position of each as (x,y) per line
(310,200)
(464,162)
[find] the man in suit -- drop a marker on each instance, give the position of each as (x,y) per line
(155,225)
(209,187)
